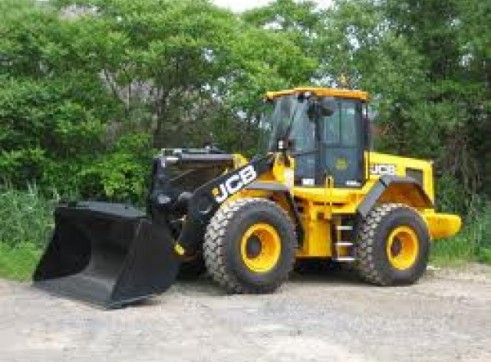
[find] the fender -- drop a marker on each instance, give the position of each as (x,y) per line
(279,188)
(206,200)
(410,193)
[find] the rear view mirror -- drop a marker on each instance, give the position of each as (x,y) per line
(324,107)
(327,106)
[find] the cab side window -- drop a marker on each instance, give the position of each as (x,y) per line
(340,127)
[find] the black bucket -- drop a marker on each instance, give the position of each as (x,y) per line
(107,254)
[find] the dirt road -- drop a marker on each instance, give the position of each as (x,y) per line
(446,317)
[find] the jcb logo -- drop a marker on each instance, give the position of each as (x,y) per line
(234,183)
(382,169)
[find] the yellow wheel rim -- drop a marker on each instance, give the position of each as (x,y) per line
(402,248)
(260,247)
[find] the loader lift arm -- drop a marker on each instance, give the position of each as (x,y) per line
(202,204)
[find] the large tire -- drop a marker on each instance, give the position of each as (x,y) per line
(393,246)
(245,261)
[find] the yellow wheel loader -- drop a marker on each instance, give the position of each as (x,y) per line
(317,191)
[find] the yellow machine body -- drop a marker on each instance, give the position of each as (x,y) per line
(319,207)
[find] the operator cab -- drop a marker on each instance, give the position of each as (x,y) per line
(325,130)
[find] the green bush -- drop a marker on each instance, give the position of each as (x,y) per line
(122,173)
(484,236)
(473,243)
(452,197)
(25,217)
(25,225)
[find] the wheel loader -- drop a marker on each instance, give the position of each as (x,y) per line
(316,192)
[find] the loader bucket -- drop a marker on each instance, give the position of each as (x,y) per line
(106,254)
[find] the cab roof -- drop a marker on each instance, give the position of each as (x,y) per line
(321,92)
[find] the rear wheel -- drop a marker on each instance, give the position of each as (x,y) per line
(393,245)
(249,246)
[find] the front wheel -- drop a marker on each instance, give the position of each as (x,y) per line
(249,246)
(393,245)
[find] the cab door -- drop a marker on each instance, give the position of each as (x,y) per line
(341,145)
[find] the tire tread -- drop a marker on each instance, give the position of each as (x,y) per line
(366,266)
(215,241)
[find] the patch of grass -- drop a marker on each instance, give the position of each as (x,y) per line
(18,262)
(473,243)
(25,224)
(454,251)
(25,216)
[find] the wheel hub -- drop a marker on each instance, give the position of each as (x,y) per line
(260,247)
(396,247)
(253,247)
(402,248)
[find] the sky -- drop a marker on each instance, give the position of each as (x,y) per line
(241,5)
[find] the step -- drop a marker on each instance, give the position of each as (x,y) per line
(346,259)
(343,243)
(344,227)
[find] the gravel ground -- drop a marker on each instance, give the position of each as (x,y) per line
(446,317)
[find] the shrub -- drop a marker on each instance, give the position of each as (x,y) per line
(122,173)
(25,217)
(473,243)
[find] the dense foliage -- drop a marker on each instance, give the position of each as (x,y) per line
(19,209)
(76,76)
(89,89)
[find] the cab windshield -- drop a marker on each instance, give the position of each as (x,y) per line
(321,144)
(287,118)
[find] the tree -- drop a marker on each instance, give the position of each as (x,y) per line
(456,95)
(48,117)
(79,77)
(171,62)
